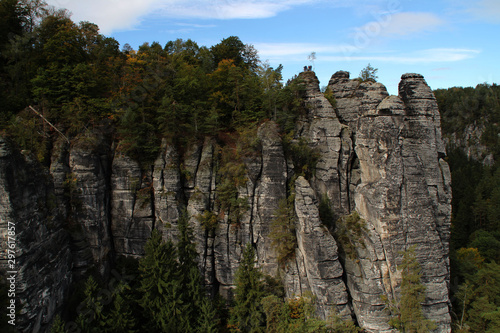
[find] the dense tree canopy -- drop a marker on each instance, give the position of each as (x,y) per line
(475,234)
(78,78)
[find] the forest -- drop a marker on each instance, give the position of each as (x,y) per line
(78,79)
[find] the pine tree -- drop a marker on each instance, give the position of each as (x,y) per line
(57,325)
(368,73)
(207,322)
(408,313)
(120,319)
(247,313)
(161,291)
(282,232)
(189,277)
(92,315)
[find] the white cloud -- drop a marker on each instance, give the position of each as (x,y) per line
(399,24)
(437,55)
(344,52)
(274,50)
(112,15)
(488,10)
(109,15)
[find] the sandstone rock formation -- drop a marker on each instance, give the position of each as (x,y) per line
(43,263)
(380,158)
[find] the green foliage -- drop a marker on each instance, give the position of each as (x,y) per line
(120,317)
(479,106)
(325,211)
(247,314)
(166,296)
(478,300)
(193,296)
(26,129)
(475,238)
(407,313)
(329,96)
(368,73)
(303,156)
(297,316)
(349,231)
(57,325)
(92,316)
(291,104)
(160,285)
(207,318)
(208,220)
(232,176)
(282,231)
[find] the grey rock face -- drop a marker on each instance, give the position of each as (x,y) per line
(404,196)
(88,182)
(317,268)
(355,98)
(323,130)
(43,258)
(380,156)
(131,215)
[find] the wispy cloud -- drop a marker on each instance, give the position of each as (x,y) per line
(112,15)
(400,24)
(488,10)
(345,52)
(276,50)
(436,55)
(109,15)
(439,69)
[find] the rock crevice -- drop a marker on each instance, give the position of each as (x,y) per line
(380,162)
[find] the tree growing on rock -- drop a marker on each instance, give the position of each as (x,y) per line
(247,314)
(368,73)
(407,313)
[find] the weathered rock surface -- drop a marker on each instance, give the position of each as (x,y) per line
(355,98)
(317,267)
(88,186)
(381,156)
(404,197)
(43,260)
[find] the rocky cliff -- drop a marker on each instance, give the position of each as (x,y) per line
(380,166)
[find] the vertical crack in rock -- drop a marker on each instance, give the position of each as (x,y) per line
(381,158)
(29,202)
(319,254)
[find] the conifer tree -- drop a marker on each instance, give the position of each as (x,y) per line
(92,315)
(408,315)
(161,291)
(189,277)
(57,325)
(207,318)
(247,314)
(120,319)
(368,73)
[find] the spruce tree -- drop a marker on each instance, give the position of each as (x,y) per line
(120,319)
(189,278)
(247,314)
(57,325)
(160,288)
(207,322)
(92,315)
(408,313)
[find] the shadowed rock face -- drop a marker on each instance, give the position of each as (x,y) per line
(380,155)
(43,262)
(404,196)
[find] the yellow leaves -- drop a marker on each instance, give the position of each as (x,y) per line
(225,65)
(471,256)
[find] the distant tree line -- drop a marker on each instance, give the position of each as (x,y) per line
(475,233)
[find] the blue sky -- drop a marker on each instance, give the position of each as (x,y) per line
(450,42)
